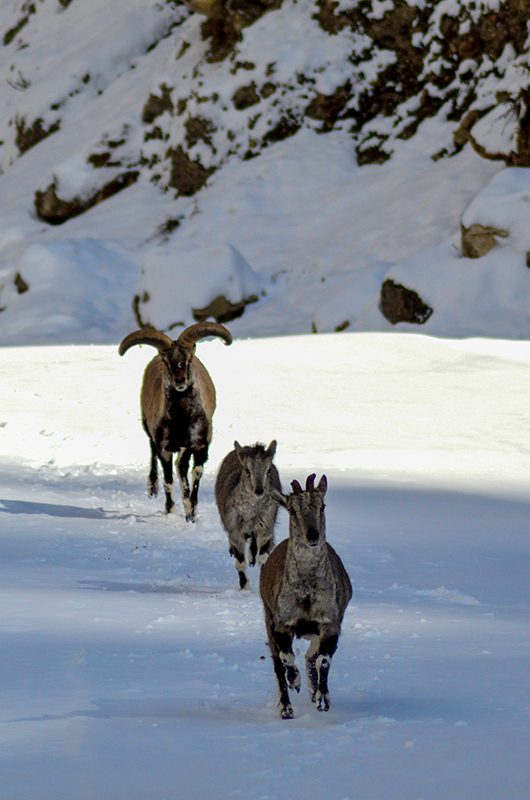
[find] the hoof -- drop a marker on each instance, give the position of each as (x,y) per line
(322,701)
(293,678)
(287,712)
(243,580)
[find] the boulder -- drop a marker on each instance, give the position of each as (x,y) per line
(477,240)
(399,304)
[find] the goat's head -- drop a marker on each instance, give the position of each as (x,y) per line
(307,521)
(256,466)
(177,355)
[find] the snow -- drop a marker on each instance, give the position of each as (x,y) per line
(318,234)
(132,665)
(204,274)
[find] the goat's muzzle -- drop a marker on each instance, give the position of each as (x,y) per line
(313,536)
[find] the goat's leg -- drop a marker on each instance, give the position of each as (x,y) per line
(237,549)
(182,464)
(265,541)
(200,457)
(310,665)
(326,649)
(152,478)
(252,550)
(280,644)
(166,459)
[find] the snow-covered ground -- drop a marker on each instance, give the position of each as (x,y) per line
(317,233)
(131,665)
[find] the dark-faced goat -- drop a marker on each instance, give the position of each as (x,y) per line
(305,590)
(243,491)
(177,403)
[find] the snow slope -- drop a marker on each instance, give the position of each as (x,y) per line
(318,233)
(133,667)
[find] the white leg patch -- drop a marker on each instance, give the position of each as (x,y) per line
(323,661)
(291,671)
(263,558)
(187,506)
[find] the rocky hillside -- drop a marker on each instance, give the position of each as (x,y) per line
(167,160)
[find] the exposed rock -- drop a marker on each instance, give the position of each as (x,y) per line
(187,176)
(287,126)
(327,107)
(198,129)
(210,8)
(100,160)
(343,326)
(21,285)
(245,97)
(399,304)
(28,136)
(222,35)
(226,19)
(329,18)
(371,154)
(222,310)
(267,89)
(477,240)
(13,32)
(54,210)
(156,105)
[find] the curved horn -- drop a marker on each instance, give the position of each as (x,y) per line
(146,336)
(310,483)
(201,330)
(297,489)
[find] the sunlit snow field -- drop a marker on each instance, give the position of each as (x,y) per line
(133,667)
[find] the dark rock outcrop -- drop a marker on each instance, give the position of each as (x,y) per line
(399,304)
(222,310)
(187,176)
(54,210)
(477,240)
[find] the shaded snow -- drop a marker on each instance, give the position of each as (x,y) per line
(132,664)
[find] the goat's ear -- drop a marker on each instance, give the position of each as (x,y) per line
(280,498)
(271,449)
(238,449)
(322,485)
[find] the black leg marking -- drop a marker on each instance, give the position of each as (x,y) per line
(284,642)
(264,551)
(240,566)
(182,464)
(328,645)
(200,457)
(277,640)
(312,675)
(152,478)
(167,468)
(253,550)
(284,701)
(243,580)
